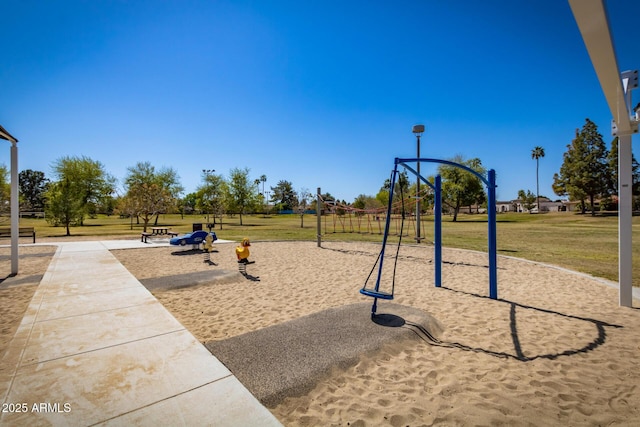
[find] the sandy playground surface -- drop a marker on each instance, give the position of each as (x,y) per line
(556,349)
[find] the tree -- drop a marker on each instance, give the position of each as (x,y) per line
(5,190)
(528,200)
(284,195)
(612,160)
(241,194)
(64,206)
(189,203)
(459,187)
(263,179)
(211,196)
(304,198)
(537,153)
(33,186)
(150,193)
(401,187)
(126,206)
(585,170)
(87,180)
(367,202)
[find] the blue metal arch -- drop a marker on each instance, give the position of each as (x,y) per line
(444,162)
(490,182)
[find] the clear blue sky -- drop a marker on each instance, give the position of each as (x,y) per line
(319,93)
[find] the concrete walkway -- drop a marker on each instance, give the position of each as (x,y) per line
(96,348)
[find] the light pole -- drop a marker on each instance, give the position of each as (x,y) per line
(418,129)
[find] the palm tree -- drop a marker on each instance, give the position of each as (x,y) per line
(536,154)
(263,179)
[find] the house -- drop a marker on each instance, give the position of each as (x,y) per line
(516,205)
(509,206)
(546,205)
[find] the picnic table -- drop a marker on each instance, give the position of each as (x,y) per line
(159,230)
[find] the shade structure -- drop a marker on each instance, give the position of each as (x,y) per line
(592,20)
(6,135)
(14,198)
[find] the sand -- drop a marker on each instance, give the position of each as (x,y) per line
(556,349)
(16,292)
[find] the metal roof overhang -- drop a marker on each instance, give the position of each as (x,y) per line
(6,135)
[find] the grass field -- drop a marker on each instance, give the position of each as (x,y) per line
(579,242)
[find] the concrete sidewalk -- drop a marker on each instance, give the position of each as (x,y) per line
(96,348)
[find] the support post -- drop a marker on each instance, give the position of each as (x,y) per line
(418,237)
(625,212)
(15,209)
(374,307)
(492,236)
(437,231)
(319,216)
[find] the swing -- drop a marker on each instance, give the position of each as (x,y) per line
(376,293)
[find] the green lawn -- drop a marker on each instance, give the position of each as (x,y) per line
(579,242)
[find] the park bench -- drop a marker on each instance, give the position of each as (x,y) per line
(22,232)
(144,236)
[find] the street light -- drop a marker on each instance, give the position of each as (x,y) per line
(418,130)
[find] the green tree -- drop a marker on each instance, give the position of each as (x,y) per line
(612,161)
(33,186)
(537,153)
(189,203)
(64,207)
(304,199)
(459,187)
(5,190)
(263,179)
(402,186)
(241,193)
(528,200)
(211,196)
(150,193)
(365,202)
(327,199)
(125,207)
(284,195)
(87,180)
(585,170)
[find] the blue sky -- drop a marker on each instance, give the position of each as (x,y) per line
(319,93)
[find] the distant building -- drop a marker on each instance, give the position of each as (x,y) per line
(516,205)
(509,206)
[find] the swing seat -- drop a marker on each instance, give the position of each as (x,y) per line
(378,294)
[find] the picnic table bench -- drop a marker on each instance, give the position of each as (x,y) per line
(22,232)
(145,235)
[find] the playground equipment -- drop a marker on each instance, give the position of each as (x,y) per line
(376,292)
(242,253)
(341,218)
(489,181)
(208,247)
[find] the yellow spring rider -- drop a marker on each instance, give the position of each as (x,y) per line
(242,252)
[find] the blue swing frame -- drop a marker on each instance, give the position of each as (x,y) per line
(489,181)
